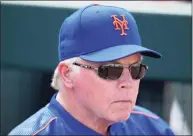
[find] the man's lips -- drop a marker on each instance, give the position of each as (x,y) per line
(123,101)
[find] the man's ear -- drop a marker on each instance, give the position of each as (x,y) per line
(64,70)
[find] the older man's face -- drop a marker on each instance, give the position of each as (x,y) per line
(111,100)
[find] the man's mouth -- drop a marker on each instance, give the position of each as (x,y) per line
(123,101)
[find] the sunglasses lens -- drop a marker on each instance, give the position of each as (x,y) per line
(138,71)
(110,72)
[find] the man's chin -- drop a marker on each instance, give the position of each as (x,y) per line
(120,117)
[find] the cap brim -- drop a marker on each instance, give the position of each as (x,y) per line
(118,52)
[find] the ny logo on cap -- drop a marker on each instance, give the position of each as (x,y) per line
(120,25)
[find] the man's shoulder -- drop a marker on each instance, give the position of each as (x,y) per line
(149,122)
(35,124)
(144,112)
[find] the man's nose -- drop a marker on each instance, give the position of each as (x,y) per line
(125,81)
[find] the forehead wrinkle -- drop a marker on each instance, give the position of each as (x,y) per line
(137,61)
(119,61)
(110,62)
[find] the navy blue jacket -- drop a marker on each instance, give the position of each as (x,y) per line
(54,120)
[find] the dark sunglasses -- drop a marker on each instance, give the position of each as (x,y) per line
(114,71)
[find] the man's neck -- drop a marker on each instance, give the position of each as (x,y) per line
(82,115)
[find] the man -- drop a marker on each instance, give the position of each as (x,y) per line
(97,79)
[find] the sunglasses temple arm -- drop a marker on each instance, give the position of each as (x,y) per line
(96,69)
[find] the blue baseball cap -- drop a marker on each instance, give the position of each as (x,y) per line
(99,33)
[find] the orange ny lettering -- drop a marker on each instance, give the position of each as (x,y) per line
(120,25)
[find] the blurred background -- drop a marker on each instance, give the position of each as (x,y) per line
(29,40)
